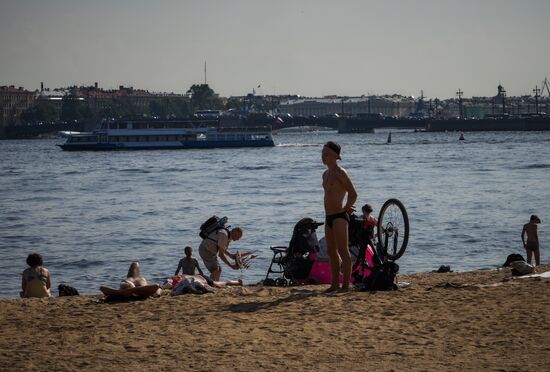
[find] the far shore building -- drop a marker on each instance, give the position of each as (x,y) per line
(395,105)
(98,99)
(53,98)
(13,101)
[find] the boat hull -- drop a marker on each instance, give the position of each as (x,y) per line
(173,146)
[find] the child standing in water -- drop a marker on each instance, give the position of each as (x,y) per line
(532,244)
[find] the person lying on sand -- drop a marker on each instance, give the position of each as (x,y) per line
(133,278)
(133,286)
(199,284)
(206,281)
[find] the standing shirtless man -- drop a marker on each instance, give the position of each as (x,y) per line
(532,244)
(336,184)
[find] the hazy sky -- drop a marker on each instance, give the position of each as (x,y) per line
(287,46)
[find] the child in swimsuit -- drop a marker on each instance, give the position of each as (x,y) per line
(532,244)
(188,264)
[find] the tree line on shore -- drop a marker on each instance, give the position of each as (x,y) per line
(74,108)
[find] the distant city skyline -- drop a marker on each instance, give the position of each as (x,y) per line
(309,48)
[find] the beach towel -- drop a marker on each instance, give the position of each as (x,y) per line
(544,275)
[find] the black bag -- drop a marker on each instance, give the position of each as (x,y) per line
(212,224)
(511,258)
(298,268)
(382,278)
(65,290)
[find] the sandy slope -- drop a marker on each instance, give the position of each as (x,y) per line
(491,323)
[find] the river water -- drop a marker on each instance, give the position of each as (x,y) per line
(91,213)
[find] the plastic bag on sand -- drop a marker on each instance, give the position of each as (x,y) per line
(521,268)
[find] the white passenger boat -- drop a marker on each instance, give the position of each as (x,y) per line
(166,134)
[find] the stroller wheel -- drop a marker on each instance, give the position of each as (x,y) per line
(281,282)
(292,282)
(269,282)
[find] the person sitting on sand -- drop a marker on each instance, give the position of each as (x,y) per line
(36,279)
(369,221)
(532,244)
(188,264)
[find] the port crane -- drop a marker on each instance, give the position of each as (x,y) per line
(545,85)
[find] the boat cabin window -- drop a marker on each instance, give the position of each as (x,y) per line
(83,139)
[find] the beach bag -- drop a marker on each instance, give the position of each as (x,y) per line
(511,258)
(65,290)
(381,278)
(211,225)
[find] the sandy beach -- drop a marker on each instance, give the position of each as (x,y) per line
(455,321)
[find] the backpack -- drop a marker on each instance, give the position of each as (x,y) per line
(513,257)
(65,290)
(211,225)
(382,277)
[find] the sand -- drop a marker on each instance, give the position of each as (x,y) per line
(453,321)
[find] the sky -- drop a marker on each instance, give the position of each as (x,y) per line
(310,48)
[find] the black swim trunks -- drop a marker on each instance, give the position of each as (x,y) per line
(532,246)
(331,217)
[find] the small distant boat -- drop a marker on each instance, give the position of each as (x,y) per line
(461,138)
(389,138)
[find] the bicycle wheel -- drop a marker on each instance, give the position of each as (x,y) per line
(393,229)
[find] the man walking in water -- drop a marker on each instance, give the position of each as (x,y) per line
(336,184)
(532,244)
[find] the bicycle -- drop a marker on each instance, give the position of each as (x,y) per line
(374,266)
(392,230)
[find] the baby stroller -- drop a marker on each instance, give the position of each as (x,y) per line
(296,261)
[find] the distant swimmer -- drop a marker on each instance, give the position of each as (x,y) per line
(532,244)
(461,138)
(336,184)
